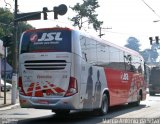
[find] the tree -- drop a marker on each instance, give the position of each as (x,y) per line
(154,55)
(6,17)
(86,10)
(7,28)
(146,54)
(133,44)
(150,55)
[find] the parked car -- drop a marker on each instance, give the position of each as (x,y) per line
(8,86)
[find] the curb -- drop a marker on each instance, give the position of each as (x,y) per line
(10,107)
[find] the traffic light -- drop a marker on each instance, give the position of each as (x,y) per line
(60,10)
(7,41)
(150,38)
(45,10)
(28,16)
(157,39)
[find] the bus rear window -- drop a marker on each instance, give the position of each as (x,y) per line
(46,41)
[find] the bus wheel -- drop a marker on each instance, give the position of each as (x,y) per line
(137,103)
(104,105)
(61,112)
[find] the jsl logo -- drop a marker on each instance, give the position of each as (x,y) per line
(51,36)
(125,77)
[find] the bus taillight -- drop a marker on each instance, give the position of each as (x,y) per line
(21,91)
(20,82)
(73,88)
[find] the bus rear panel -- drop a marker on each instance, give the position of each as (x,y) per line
(45,79)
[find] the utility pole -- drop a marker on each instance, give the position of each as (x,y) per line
(15,57)
(100,31)
(5,75)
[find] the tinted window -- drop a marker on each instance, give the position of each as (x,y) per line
(46,41)
(88,47)
(103,54)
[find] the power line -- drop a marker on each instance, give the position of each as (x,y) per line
(8,4)
(126,34)
(150,8)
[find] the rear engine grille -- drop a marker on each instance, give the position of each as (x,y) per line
(45,64)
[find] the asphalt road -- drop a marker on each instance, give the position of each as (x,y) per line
(148,109)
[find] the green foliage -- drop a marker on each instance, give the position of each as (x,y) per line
(22,26)
(133,44)
(145,53)
(86,10)
(7,28)
(150,55)
(6,17)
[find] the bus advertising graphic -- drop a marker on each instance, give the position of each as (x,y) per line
(71,70)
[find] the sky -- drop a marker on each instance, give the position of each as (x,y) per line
(121,18)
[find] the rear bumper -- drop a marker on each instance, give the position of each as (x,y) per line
(70,103)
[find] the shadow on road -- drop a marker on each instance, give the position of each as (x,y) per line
(82,117)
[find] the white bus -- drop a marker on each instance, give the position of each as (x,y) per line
(63,69)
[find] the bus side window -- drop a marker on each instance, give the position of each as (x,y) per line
(83,47)
(114,58)
(132,68)
(84,56)
(102,54)
(88,47)
(130,64)
(140,69)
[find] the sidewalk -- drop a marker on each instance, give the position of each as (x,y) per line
(8,104)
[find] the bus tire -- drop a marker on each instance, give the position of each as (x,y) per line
(61,112)
(137,103)
(104,105)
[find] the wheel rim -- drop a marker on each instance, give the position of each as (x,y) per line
(104,105)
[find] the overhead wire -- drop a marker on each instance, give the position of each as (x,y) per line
(121,33)
(8,4)
(151,8)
